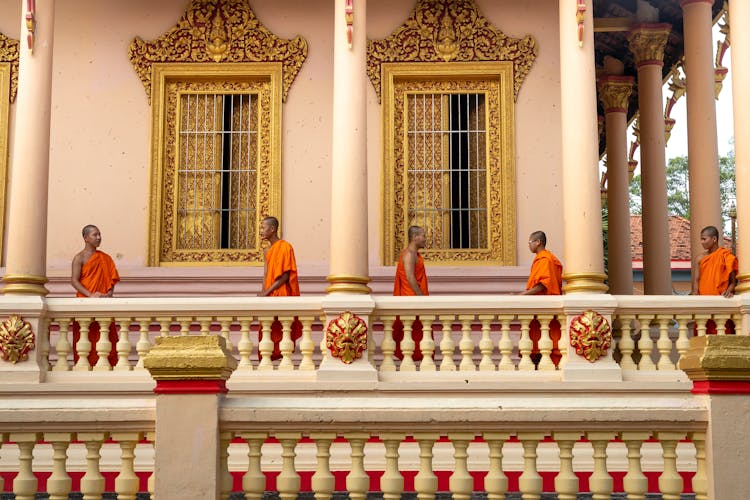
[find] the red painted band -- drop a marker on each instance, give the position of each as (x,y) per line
(649,62)
(615,110)
(683,3)
(190,386)
(721,387)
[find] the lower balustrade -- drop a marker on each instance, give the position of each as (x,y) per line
(500,464)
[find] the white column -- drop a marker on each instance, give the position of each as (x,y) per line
(26,259)
(349,263)
(584,255)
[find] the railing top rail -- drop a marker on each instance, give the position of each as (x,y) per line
(686,304)
(471,304)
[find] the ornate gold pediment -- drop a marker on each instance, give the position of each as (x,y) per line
(219,31)
(9,54)
(450,31)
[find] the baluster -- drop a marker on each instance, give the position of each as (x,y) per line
(545,343)
(466,345)
(388,346)
(683,342)
(25,483)
(425,482)
(627,346)
(62,347)
(3,438)
(357,481)
(496,482)
(265,346)
(392,482)
(205,325)
(322,482)
(123,344)
(408,345)
(151,482)
(525,344)
(461,483)
(59,483)
(185,323)
(700,322)
(44,345)
(164,324)
(427,345)
(635,483)
(645,344)
(562,345)
(670,481)
(737,320)
(601,483)
(226,323)
(254,481)
(244,346)
(306,345)
(127,482)
(447,346)
(288,481)
(286,346)
(721,323)
(664,344)
(92,482)
(103,345)
(371,347)
(485,344)
(84,346)
(143,346)
(505,344)
(700,479)
(566,481)
(225,478)
(530,482)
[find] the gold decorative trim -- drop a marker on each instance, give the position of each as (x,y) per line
(585,282)
(614,92)
(6,73)
(348,283)
(590,335)
(494,80)
(450,31)
(9,54)
(194,357)
(717,357)
(647,43)
(262,79)
(24,284)
(16,339)
(346,337)
(218,31)
(743,283)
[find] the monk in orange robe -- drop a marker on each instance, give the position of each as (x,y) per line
(280,278)
(545,278)
(716,272)
(411,279)
(94,274)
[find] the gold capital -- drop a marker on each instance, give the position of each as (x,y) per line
(647,43)
(190,358)
(717,357)
(614,92)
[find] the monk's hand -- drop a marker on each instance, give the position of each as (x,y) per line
(96,295)
(728,293)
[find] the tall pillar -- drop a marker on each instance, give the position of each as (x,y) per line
(614,91)
(584,254)
(349,261)
(703,151)
(26,261)
(740,104)
(647,44)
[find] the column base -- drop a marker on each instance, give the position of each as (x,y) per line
(333,369)
(585,283)
(24,284)
(603,371)
(743,284)
(348,283)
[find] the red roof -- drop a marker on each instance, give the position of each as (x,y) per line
(679,238)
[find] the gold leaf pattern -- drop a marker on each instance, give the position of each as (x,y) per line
(16,339)
(590,335)
(9,53)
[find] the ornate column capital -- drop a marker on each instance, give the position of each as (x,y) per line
(647,42)
(614,91)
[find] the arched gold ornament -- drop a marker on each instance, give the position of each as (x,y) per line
(346,337)
(16,339)
(590,335)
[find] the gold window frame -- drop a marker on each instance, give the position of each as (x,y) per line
(162,226)
(5,69)
(459,77)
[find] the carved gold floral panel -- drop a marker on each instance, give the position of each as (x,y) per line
(216,162)
(218,31)
(9,54)
(8,88)
(450,31)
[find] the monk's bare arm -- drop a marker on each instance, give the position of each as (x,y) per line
(696,279)
(75,277)
(410,260)
(535,290)
(729,292)
(280,281)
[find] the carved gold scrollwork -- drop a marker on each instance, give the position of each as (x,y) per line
(346,337)
(219,31)
(590,335)
(16,339)
(445,31)
(9,54)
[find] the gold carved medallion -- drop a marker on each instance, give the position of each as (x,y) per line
(16,339)
(346,337)
(590,335)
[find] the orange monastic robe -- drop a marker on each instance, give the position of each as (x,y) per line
(715,269)
(401,284)
(98,274)
(280,259)
(547,270)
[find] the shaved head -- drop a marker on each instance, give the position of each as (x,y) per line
(710,231)
(87,229)
(272,221)
(539,235)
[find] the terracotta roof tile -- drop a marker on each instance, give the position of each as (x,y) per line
(679,238)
